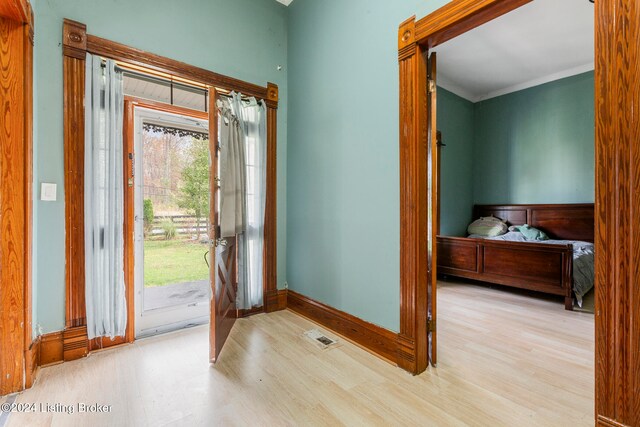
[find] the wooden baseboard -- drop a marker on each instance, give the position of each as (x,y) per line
(51,349)
(376,339)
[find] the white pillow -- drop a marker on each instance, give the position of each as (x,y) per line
(488,227)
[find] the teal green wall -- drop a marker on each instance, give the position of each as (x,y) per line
(456,122)
(246,39)
(536,145)
(342,175)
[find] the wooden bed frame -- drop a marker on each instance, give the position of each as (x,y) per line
(536,266)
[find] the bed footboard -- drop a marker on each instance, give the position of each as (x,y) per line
(535,266)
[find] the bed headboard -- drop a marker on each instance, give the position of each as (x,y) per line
(564,222)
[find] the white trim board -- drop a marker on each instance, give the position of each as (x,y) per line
(461,92)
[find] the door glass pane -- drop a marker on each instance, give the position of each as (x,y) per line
(176,212)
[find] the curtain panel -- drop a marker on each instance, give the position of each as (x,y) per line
(103,200)
(246,121)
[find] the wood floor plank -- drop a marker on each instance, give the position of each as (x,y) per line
(502,362)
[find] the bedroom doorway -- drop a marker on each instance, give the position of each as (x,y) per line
(616,161)
(418,44)
(515,209)
(515,223)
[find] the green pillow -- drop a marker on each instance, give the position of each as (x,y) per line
(531,233)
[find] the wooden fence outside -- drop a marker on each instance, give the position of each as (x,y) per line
(185,224)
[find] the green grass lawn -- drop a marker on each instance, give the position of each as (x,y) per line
(174,261)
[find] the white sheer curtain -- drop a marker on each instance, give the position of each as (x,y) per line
(251,118)
(232,174)
(103,200)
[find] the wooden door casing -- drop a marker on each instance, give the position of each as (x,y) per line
(76,42)
(18,353)
(433,167)
(617,203)
(13,204)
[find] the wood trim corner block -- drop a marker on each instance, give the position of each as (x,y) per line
(74,39)
(272,95)
(407,33)
(275,300)
(51,349)
(32,362)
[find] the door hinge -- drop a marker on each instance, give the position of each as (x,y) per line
(431,86)
(431,326)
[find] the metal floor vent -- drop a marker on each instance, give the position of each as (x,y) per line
(319,339)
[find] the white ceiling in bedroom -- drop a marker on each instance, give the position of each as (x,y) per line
(542,41)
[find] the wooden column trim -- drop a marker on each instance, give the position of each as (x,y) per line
(412,339)
(75,340)
(30,350)
(270,227)
(13,204)
(617,203)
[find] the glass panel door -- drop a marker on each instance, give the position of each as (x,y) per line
(171,211)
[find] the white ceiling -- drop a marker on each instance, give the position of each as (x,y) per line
(539,42)
(285,2)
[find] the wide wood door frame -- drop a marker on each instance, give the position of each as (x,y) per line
(617,172)
(18,354)
(76,44)
(419,204)
(617,235)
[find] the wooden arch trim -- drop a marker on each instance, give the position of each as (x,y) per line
(76,43)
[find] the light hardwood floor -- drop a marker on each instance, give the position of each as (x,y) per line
(505,360)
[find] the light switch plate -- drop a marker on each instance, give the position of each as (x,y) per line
(48,192)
